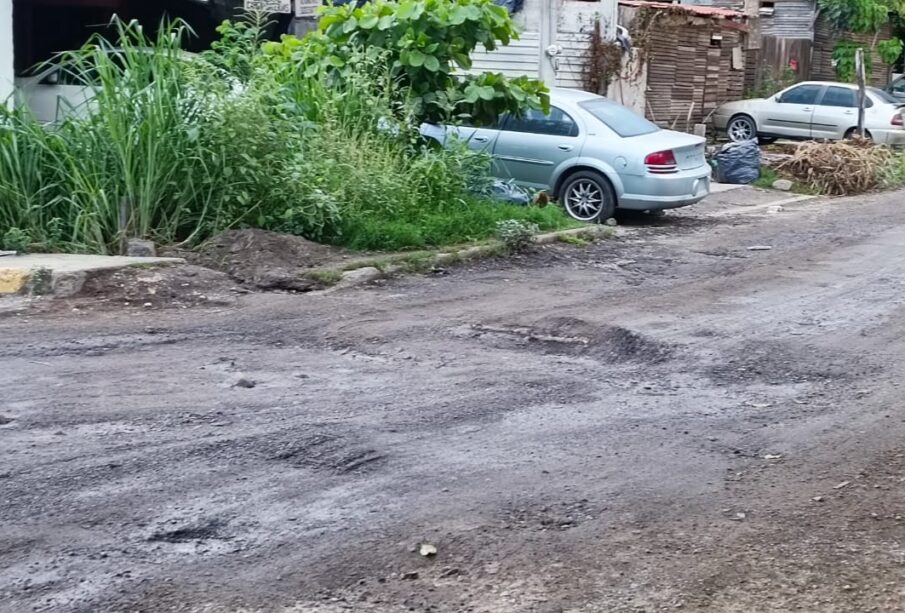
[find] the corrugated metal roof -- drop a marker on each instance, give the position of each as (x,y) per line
(691,9)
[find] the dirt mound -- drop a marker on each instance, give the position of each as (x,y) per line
(159,287)
(262,259)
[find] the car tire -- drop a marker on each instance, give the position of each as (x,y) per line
(851,134)
(741,128)
(588,196)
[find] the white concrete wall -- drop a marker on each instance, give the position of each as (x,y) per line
(6,50)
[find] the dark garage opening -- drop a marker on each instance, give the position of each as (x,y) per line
(43,28)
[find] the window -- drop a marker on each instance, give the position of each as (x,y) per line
(557,123)
(803,94)
(617,118)
(840,96)
(885,97)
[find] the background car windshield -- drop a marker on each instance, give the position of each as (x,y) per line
(619,119)
(883,96)
(803,94)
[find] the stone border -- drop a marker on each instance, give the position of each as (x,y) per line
(368,272)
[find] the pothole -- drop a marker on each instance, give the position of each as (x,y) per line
(326,452)
(211,530)
(574,337)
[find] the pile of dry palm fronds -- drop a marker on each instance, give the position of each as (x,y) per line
(839,168)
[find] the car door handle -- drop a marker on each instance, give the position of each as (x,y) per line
(480,139)
(565,147)
(807,109)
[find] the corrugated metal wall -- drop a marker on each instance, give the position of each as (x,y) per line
(790,19)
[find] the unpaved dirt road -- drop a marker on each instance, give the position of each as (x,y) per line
(664,421)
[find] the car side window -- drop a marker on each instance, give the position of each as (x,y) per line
(803,94)
(557,123)
(898,86)
(841,97)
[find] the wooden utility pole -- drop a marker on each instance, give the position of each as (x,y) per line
(859,73)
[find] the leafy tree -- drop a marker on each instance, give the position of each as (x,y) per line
(426,46)
(862,16)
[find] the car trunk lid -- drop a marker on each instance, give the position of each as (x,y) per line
(687,149)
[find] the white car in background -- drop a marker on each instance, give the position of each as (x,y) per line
(814,110)
(52,92)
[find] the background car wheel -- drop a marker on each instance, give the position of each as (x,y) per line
(741,128)
(851,134)
(588,196)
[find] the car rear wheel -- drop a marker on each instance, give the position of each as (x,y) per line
(741,128)
(588,196)
(853,132)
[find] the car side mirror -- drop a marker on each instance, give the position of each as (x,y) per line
(778,98)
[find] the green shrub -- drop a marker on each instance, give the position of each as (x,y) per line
(16,239)
(424,45)
(516,235)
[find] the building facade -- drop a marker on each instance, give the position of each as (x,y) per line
(7,66)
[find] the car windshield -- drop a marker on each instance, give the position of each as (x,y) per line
(883,96)
(617,118)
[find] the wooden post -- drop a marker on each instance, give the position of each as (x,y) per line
(859,72)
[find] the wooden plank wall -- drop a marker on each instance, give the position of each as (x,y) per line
(825,39)
(688,77)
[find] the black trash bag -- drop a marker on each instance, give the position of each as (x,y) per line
(509,192)
(513,6)
(739,163)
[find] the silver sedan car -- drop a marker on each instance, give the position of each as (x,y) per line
(814,110)
(592,155)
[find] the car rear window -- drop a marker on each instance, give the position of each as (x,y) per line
(883,96)
(617,118)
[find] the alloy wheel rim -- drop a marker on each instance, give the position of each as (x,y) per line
(584,200)
(741,130)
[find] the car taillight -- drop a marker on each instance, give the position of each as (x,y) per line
(661,162)
(897,120)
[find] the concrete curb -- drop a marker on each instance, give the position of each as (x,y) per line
(62,275)
(370,273)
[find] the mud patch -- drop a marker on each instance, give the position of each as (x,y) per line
(780,363)
(321,450)
(574,337)
(560,516)
(210,530)
(326,452)
(177,286)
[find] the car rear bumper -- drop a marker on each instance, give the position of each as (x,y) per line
(894,137)
(657,192)
(720,122)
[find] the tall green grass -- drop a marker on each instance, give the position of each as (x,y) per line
(176,149)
